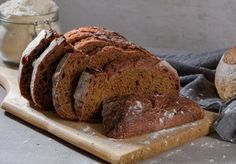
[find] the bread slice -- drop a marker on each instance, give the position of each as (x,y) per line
(132,115)
(141,76)
(70,68)
(44,68)
(30,54)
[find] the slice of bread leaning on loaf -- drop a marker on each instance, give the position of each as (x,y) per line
(79,73)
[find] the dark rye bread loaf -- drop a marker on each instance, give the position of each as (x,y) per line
(141,76)
(99,46)
(132,115)
(85,30)
(30,54)
(44,68)
(70,68)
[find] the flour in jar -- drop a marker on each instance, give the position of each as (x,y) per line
(27,7)
(14,37)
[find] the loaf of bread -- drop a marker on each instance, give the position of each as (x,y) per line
(99,46)
(70,68)
(225,76)
(30,54)
(39,45)
(132,115)
(140,75)
(43,70)
(75,73)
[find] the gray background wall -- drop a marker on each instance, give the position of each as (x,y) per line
(195,25)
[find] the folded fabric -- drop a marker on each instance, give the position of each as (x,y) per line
(197,74)
(225,125)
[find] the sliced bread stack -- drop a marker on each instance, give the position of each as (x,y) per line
(75,73)
(30,54)
(97,50)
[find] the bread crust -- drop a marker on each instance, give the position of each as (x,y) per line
(225,78)
(230,56)
(78,34)
(132,115)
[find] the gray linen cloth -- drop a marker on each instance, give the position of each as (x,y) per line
(197,73)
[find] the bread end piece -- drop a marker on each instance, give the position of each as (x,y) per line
(133,115)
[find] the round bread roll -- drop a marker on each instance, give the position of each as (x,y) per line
(225,77)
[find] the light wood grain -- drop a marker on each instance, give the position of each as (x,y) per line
(90,137)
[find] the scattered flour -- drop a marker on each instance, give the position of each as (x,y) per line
(154,135)
(161,120)
(117,146)
(87,130)
(138,105)
(166,142)
(146,142)
(192,144)
(173,152)
(169,114)
(211,160)
(206,144)
(201,94)
(25,141)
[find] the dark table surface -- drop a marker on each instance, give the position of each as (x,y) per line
(22,143)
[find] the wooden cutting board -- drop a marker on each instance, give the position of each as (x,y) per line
(90,137)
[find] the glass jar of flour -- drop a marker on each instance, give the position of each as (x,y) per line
(18,28)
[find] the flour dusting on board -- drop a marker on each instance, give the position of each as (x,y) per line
(165,134)
(88,130)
